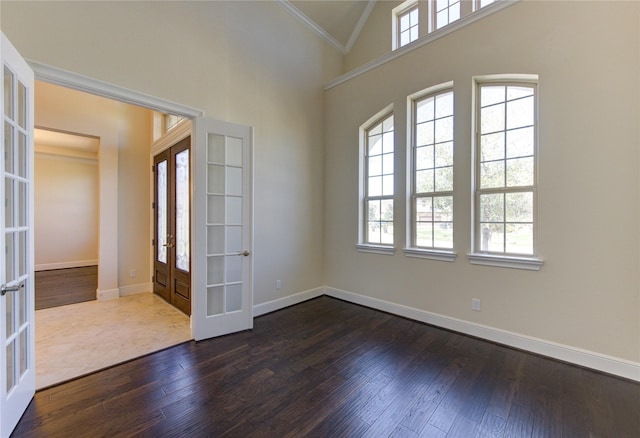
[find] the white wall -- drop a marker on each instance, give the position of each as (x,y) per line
(587,294)
(245,62)
(66,211)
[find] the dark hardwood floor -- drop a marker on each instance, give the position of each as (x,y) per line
(59,287)
(327,368)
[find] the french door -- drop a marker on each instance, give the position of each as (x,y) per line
(17,341)
(223,229)
(172,225)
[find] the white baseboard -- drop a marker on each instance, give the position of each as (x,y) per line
(589,359)
(281,303)
(107,294)
(65,265)
(136,289)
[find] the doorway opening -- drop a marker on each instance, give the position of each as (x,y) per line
(77,339)
(66,217)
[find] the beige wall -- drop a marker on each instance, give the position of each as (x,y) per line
(66,211)
(375,37)
(134,195)
(124,187)
(245,62)
(587,293)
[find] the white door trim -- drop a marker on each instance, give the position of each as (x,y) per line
(75,81)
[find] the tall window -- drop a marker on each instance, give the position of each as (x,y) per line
(378,183)
(444,12)
(405,23)
(506,169)
(432,197)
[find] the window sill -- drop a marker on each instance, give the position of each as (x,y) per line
(529,263)
(376,249)
(431,254)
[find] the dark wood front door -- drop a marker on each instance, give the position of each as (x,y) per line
(172,226)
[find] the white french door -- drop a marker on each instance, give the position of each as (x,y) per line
(222,299)
(17,341)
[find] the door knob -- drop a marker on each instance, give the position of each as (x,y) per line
(4,289)
(245,253)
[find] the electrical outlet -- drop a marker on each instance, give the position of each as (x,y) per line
(278,284)
(475,304)
(132,273)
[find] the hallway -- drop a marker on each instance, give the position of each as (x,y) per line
(78,339)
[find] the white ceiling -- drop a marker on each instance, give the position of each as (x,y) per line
(338,21)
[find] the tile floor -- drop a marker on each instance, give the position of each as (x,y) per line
(78,339)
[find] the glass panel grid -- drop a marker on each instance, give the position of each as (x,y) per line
(445,12)
(408,26)
(433,171)
(506,169)
(379,182)
(16,231)
(224,219)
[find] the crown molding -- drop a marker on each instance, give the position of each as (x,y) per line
(312,25)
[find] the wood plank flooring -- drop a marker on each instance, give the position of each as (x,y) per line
(59,287)
(327,368)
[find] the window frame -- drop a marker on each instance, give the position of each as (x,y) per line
(412,249)
(477,4)
(493,258)
(363,244)
(433,13)
(396,15)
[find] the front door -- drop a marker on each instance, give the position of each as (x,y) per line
(17,341)
(172,226)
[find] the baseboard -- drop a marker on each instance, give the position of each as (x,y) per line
(107,294)
(65,265)
(281,303)
(589,359)
(135,289)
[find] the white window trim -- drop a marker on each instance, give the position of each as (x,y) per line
(376,249)
(529,263)
(362,246)
(410,250)
(395,17)
(476,257)
(431,254)
(477,7)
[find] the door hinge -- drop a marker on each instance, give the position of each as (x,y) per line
(153,242)
(153,206)
(153,279)
(153,169)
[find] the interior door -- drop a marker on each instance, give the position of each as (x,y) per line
(172,226)
(222,228)
(17,341)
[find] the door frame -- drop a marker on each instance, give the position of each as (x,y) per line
(174,274)
(89,85)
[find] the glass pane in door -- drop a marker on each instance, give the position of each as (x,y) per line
(161,211)
(11,381)
(224,239)
(8,92)
(182,211)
